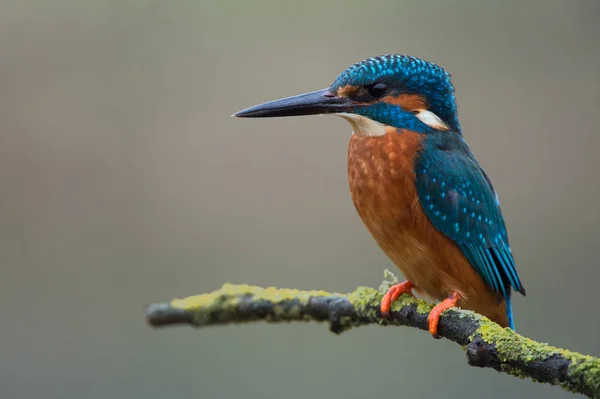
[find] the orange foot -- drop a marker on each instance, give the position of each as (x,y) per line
(393,293)
(434,316)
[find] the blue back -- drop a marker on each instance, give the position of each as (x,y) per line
(461,202)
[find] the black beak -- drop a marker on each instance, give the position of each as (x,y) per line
(316,102)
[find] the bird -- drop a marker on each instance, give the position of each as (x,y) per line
(416,184)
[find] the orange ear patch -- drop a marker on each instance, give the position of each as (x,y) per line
(408,102)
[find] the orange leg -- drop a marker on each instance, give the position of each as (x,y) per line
(393,293)
(436,312)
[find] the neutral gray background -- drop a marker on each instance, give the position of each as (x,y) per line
(124,181)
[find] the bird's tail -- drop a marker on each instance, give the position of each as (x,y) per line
(509,312)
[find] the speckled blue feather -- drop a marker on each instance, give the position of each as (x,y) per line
(461,202)
(412,76)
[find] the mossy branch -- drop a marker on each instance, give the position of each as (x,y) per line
(486,343)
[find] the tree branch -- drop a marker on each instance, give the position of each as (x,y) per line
(486,343)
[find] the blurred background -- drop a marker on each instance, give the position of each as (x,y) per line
(124,181)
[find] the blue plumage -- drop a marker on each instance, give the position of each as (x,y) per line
(394,116)
(461,202)
(407,74)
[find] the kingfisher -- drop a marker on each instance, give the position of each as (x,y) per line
(416,185)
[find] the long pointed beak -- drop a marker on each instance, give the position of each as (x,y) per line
(316,102)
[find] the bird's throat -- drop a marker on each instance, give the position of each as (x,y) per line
(364,126)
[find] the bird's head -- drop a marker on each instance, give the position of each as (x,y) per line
(397,91)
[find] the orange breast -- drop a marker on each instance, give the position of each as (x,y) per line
(382,183)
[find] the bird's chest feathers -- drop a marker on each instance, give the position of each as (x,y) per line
(382,182)
(382,179)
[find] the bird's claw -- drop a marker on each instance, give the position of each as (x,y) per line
(393,293)
(434,316)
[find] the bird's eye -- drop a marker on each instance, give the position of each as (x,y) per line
(378,90)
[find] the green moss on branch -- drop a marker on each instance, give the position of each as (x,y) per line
(486,343)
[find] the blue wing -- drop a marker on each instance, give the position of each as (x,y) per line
(461,202)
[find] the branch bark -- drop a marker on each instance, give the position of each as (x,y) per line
(486,343)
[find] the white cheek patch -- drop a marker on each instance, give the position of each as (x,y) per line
(431,119)
(364,126)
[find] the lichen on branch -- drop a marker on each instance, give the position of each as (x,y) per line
(486,343)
